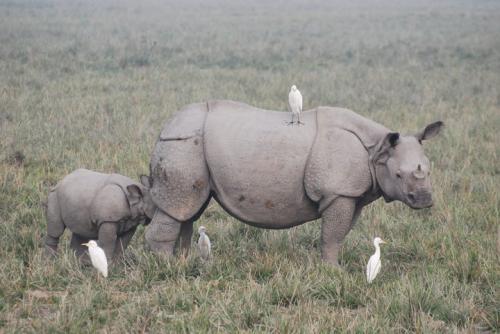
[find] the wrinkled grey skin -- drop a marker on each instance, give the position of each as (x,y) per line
(274,176)
(106,207)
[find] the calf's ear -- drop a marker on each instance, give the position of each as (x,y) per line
(381,153)
(134,195)
(430,131)
(146,181)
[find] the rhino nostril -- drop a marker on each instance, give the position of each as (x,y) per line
(419,174)
(411,197)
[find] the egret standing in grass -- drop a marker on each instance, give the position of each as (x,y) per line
(204,243)
(98,257)
(295,103)
(373,267)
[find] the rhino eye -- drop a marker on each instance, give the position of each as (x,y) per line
(398,174)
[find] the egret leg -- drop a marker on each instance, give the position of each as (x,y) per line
(162,233)
(299,122)
(293,116)
(336,223)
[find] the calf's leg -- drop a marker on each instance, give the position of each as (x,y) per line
(79,249)
(107,239)
(122,242)
(55,225)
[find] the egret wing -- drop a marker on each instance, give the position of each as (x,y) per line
(373,268)
(377,268)
(204,246)
(99,261)
(299,100)
(209,246)
(295,101)
(291,102)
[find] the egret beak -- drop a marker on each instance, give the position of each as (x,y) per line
(382,242)
(85,244)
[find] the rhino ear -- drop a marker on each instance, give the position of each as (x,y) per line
(146,181)
(430,131)
(382,150)
(134,195)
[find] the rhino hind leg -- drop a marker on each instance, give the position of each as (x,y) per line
(185,237)
(337,220)
(55,225)
(162,234)
(186,234)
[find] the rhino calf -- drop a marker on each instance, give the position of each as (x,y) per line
(92,205)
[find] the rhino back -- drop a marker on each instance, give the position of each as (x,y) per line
(122,181)
(75,194)
(257,163)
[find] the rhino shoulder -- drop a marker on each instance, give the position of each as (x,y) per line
(339,161)
(109,205)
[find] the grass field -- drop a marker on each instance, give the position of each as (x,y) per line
(90,83)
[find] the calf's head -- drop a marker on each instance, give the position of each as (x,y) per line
(403,170)
(140,200)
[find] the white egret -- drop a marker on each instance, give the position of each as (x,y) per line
(374,264)
(204,243)
(98,257)
(295,103)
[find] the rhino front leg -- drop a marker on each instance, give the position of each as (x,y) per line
(162,233)
(337,222)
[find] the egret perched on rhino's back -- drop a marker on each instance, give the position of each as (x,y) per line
(374,264)
(204,245)
(295,103)
(98,257)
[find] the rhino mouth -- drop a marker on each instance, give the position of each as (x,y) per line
(419,199)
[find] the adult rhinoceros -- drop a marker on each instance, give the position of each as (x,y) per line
(274,176)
